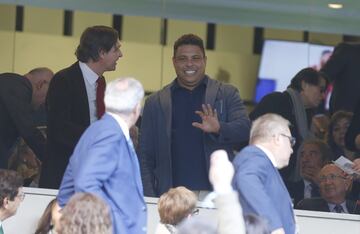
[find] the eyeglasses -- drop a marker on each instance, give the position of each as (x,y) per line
(291,139)
(330,177)
(195,212)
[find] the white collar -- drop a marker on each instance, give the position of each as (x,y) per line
(88,74)
(268,154)
(124,127)
(306,182)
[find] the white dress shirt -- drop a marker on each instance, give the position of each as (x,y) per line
(90,78)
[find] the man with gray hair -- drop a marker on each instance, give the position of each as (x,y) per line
(261,189)
(104,161)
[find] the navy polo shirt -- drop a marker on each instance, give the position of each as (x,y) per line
(187,146)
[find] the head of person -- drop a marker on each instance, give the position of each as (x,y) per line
(123,97)
(11,193)
(339,124)
(314,154)
(40,80)
(334,184)
(255,225)
(311,85)
(272,131)
(176,204)
(325,56)
(50,218)
(189,60)
(197,225)
(99,45)
(85,213)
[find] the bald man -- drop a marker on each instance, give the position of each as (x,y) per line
(20,95)
(334,185)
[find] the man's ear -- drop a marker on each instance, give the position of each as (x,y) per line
(102,53)
(6,203)
(276,139)
(303,85)
(347,181)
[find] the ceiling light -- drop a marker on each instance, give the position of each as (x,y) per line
(335,5)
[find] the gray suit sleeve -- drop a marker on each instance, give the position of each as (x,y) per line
(234,120)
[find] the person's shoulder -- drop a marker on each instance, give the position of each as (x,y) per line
(311,203)
(14,82)
(67,73)
(221,85)
(250,154)
(156,95)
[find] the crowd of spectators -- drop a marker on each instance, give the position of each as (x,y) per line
(195,136)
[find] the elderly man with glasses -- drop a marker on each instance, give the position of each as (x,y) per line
(334,185)
(257,179)
(11,194)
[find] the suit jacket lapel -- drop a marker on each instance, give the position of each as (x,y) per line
(165,104)
(79,86)
(351,206)
(136,168)
(132,154)
(212,88)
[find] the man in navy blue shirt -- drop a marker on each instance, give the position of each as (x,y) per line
(183,123)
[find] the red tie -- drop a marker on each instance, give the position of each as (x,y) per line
(100,91)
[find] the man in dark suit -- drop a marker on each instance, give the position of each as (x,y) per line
(11,194)
(343,69)
(19,97)
(104,161)
(183,123)
(334,185)
(75,99)
(313,155)
(260,186)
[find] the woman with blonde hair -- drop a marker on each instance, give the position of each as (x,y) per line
(85,213)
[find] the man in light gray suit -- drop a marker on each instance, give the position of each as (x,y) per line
(183,123)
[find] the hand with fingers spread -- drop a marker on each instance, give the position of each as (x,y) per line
(210,122)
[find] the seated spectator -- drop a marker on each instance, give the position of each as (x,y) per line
(334,185)
(313,155)
(339,124)
(11,194)
(85,213)
(352,138)
(229,211)
(49,221)
(174,206)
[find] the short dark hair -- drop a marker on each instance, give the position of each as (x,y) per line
(10,182)
(189,39)
(326,153)
(308,75)
(93,40)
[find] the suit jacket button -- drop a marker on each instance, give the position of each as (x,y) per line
(144,208)
(144,229)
